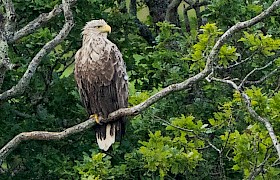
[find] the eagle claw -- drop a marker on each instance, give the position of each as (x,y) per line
(96,118)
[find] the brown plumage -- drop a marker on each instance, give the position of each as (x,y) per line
(101,77)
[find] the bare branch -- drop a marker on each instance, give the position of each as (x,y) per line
(263,78)
(38,22)
(5,63)
(177,127)
(254,70)
(43,135)
(24,81)
(254,114)
(164,92)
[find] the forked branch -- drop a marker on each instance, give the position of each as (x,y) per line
(38,22)
(24,81)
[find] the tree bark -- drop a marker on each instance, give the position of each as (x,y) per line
(157,9)
(172,15)
(143,29)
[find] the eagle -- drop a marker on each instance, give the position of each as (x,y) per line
(102,81)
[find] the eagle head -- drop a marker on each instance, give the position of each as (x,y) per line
(96,27)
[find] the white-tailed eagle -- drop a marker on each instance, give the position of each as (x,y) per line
(101,77)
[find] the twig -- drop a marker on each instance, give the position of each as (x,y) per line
(263,78)
(259,169)
(238,63)
(24,81)
(254,70)
(177,127)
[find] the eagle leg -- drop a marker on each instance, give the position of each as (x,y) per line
(96,118)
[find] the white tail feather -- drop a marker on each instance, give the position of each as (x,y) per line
(108,141)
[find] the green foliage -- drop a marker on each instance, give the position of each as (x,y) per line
(206,41)
(258,42)
(159,154)
(98,166)
(173,138)
(250,148)
(237,10)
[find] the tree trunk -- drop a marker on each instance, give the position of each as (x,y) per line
(172,13)
(143,29)
(157,9)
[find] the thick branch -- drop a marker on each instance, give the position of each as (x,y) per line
(38,22)
(5,63)
(24,81)
(43,135)
(171,12)
(143,29)
(10,16)
(164,92)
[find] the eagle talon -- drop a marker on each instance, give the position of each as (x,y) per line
(96,118)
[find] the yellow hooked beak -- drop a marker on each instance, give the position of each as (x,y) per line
(105,28)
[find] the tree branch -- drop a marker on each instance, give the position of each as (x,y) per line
(24,81)
(197,4)
(171,14)
(257,170)
(253,113)
(5,63)
(254,70)
(264,77)
(238,63)
(43,135)
(10,16)
(38,22)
